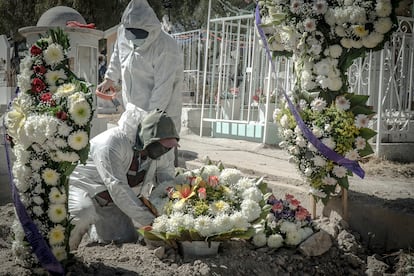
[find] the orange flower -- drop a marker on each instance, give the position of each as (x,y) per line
(184,191)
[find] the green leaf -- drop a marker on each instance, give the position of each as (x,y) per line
(357,99)
(367,133)
(366,151)
(343,182)
(362,110)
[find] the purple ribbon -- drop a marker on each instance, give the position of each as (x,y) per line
(321,147)
(39,246)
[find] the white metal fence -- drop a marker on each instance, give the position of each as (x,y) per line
(237,69)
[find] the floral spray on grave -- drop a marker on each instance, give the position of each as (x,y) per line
(324,127)
(48,126)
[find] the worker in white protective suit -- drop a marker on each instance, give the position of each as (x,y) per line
(111,195)
(149,63)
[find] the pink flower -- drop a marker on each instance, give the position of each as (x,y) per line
(213,180)
(277,207)
(301,213)
(202,193)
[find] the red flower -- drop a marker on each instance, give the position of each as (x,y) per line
(256,98)
(202,193)
(213,180)
(38,85)
(35,51)
(39,69)
(62,115)
(301,213)
(277,207)
(46,97)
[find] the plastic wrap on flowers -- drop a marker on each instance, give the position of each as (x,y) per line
(323,38)
(48,124)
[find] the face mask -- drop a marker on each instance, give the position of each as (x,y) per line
(138,42)
(156,150)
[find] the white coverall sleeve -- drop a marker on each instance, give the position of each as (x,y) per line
(109,160)
(113,72)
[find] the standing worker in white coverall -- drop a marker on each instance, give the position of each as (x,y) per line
(149,63)
(111,195)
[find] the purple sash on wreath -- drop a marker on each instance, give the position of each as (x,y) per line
(39,246)
(321,147)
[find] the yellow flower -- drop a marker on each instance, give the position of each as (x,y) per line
(360,31)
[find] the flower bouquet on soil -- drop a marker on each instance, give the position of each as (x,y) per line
(48,126)
(287,224)
(209,204)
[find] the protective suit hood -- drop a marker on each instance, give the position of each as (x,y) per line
(154,127)
(139,15)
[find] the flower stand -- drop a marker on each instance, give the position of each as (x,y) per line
(195,249)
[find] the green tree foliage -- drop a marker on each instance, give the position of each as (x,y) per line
(188,14)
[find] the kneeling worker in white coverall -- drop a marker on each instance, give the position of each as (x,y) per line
(125,170)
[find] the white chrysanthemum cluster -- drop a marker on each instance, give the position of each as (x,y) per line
(49,124)
(232,202)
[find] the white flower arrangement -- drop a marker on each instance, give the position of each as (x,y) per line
(48,125)
(323,38)
(210,204)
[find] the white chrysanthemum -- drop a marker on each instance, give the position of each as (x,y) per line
(372,40)
(37,164)
(230,176)
(71,157)
(383,25)
(78,140)
(287,133)
(52,77)
(57,212)
(245,183)
(352,155)
(250,209)
(38,200)
(56,197)
(204,226)
(319,161)
(334,84)
(59,252)
(317,131)
(57,235)
(219,207)
(339,171)
(305,232)
(38,211)
(21,175)
(288,226)
(64,129)
(335,51)
(275,241)
(79,109)
(175,223)
(24,80)
(330,181)
(360,143)
(178,206)
(309,24)
(293,238)
(329,142)
(239,221)
(318,104)
(260,239)
(160,224)
(312,148)
(301,141)
(361,120)
(359,30)
(253,193)
(50,176)
(294,150)
(383,8)
(65,90)
(347,43)
(188,221)
(320,7)
(53,55)
(60,143)
(342,103)
(210,170)
(284,121)
(223,223)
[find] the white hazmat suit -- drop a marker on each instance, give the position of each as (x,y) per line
(110,158)
(151,69)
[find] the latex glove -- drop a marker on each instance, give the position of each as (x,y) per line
(107,84)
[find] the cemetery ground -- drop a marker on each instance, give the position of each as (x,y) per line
(349,254)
